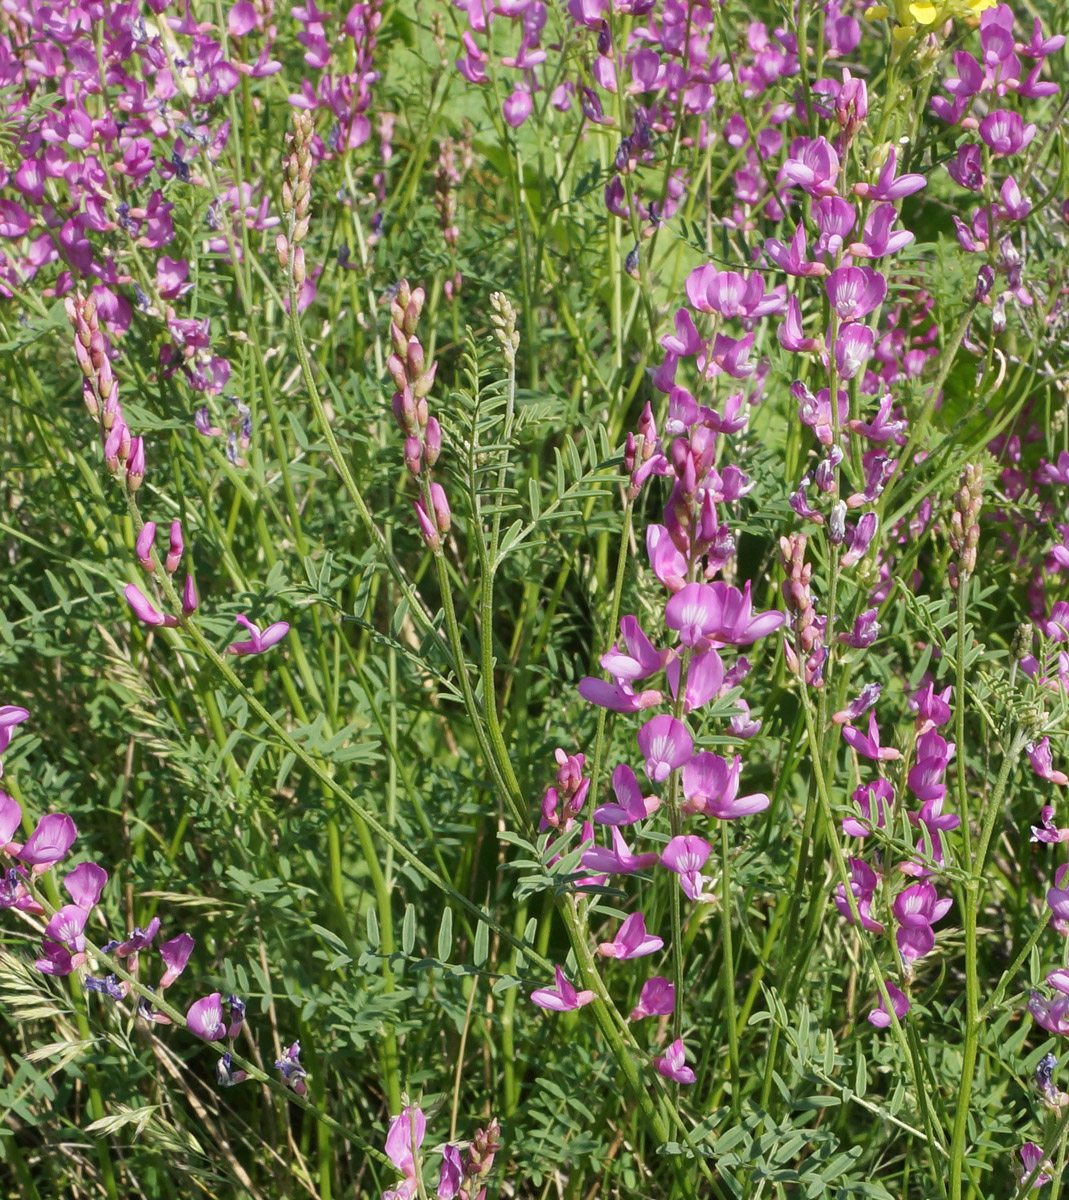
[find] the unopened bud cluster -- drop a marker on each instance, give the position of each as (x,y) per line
(296,194)
(806,657)
(503,318)
(123,453)
(413,378)
(964,522)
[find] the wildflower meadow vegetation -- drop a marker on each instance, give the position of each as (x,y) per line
(534,650)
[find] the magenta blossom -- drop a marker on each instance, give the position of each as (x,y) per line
(666,745)
(899,1002)
(686,854)
(1051,1015)
(632,940)
(1047,831)
(863,882)
(1031,1158)
(258,642)
(869,747)
(1040,757)
(143,608)
(562,998)
(888,187)
(711,787)
(735,623)
(705,678)
(631,805)
(916,909)
(50,841)
(408,1127)
(205,1018)
(617,861)
(638,659)
(875,802)
(85,883)
(657,999)
(175,954)
(673,1065)
(10,820)
(855,291)
(67,926)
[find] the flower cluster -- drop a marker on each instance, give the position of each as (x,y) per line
(463,1176)
(705,617)
(65,949)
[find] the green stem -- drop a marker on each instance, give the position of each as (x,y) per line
(728,956)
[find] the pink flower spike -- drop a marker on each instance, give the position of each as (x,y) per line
(899,1002)
(50,841)
(632,940)
(869,747)
(258,642)
(657,999)
(673,1065)
(617,861)
(631,805)
(175,954)
(205,1018)
(666,745)
(562,998)
(1039,756)
(85,883)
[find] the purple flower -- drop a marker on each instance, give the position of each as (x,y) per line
(1032,1157)
(735,621)
(1004,132)
(1048,832)
(1051,1015)
(813,165)
(50,841)
(967,169)
(657,999)
(859,539)
(175,954)
(293,1074)
(403,1140)
(878,239)
(692,612)
(517,107)
(10,819)
(617,861)
(451,1175)
(711,787)
(887,187)
(863,881)
(631,805)
(853,349)
(55,959)
(667,562)
(869,747)
(666,745)
(916,909)
(205,1018)
(686,854)
(258,642)
(857,708)
(875,802)
(1040,757)
(791,258)
(85,883)
(866,630)
(632,940)
(899,1002)
(67,925)
(673,1065)
(1058,896)
(639,659)
(705,678)
(855,291)
(562,998)
(616,697)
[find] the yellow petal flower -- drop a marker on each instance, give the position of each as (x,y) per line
(876,12)
(924,13)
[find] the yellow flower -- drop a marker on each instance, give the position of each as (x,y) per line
(924,12)
(876,12)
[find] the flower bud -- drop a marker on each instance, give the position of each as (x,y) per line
(143,547)
(425,382)
(837,523)
(414,357)
(399,340)
(175,548)
(299,273)
(413,454)
(189,597)
(404,409)
(427,528)
(440,504)
(282,249)
(432,445)
(135,467)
